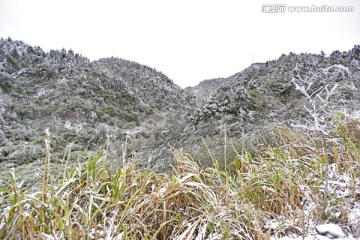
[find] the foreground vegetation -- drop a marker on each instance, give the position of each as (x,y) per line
(282,187)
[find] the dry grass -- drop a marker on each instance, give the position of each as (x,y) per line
(277,191)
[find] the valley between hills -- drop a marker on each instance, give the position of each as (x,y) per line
(258,130)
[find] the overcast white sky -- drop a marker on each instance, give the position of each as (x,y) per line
(188,40)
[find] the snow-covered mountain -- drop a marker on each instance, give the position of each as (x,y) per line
(101,104)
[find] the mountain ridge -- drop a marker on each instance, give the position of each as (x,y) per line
(111,101)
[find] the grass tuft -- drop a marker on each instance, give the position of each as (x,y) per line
(273,192)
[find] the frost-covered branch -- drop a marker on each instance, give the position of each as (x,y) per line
(318,101)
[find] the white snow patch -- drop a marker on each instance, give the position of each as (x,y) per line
(330,230)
